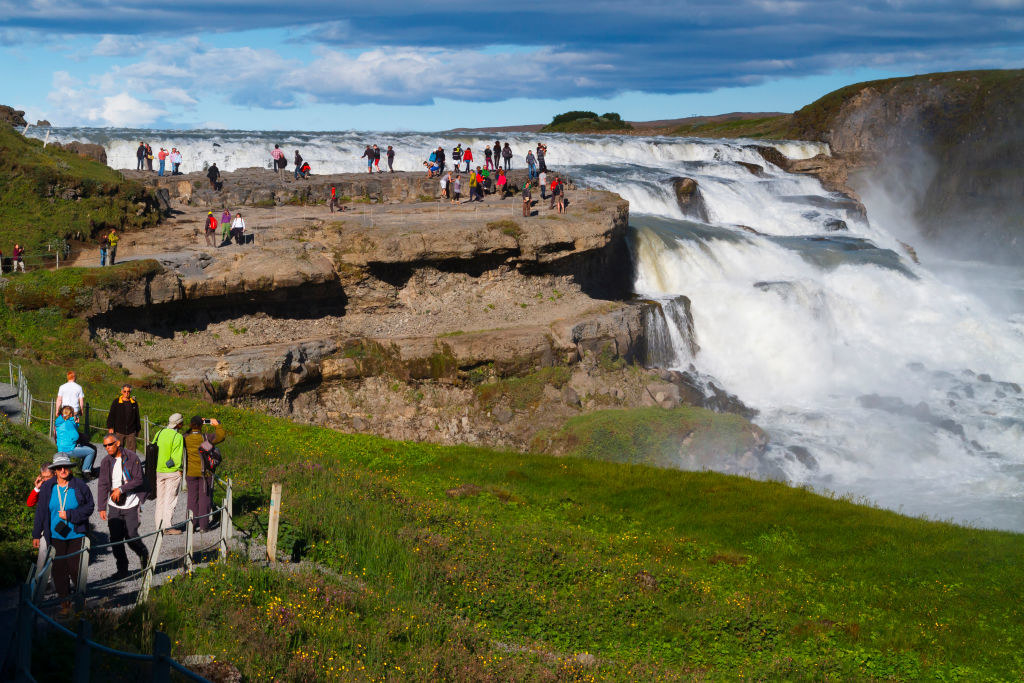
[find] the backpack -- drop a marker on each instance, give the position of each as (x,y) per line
(149,471)
(209,455)
(433,157)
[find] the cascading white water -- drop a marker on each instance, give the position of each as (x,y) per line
(873,376)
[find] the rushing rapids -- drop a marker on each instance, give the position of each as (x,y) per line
(875,377)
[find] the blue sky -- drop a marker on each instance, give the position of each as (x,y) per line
(429,66)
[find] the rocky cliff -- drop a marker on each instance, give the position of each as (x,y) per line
(950,143)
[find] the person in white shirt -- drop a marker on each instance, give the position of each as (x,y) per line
(120,494)
(70,394)
(238,228)
(543,183)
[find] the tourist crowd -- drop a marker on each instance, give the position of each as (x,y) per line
(64,504)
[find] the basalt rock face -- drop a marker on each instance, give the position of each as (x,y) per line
(950,143)
(85,149)
(12,117)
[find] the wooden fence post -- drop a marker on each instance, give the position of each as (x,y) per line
(150,569)
(188,542)
(275,518)
(83,654)
(161,657)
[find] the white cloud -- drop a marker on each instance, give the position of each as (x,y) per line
(127,111)
(117,46)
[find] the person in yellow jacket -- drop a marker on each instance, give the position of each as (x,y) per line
(112,239)
(198,481)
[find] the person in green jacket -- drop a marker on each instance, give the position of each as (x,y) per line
(169,461)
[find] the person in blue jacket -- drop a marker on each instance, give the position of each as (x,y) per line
(63,509)
(66,433)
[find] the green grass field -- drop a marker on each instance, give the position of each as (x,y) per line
(469,563)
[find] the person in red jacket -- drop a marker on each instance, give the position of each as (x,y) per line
(467,156)
(210,233)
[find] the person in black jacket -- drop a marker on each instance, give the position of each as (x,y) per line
(140,156)
(440,159)
(213,173)
(298,164)
(123,418)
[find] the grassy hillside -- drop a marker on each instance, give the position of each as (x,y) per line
(49,194)
(586,122)
(466,563)
(771,127)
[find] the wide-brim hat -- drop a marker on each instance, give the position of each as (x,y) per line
(175,420)
(60,460)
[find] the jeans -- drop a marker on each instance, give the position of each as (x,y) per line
(86,452)
(103,256)
(297,174)
(161,167)
(508,163)
(124,524)
(533,171)
(174,169)
(141,165)
(467,165)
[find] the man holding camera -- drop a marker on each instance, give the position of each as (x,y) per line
(198,481)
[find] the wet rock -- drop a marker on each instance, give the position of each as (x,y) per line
(803,456)
(920,412)
(984,378)
(772,156)
(753,168)
(911,252)
(835,225)
(689,199)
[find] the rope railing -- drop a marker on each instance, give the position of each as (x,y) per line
(32,592)
(28,612)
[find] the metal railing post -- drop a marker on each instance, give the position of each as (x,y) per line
(83,653)
(188,542)
(161,658)
(145,431)
(82,587)
(23,661)
(52,434)
(44,578)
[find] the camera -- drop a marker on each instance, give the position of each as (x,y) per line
(206,420)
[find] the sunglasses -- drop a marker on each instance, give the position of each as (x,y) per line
(62,467)
(110,445)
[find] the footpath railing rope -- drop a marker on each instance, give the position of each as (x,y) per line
(30,601)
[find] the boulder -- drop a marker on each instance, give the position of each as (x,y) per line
(689,199)
(13,117)
(84,149)
(772,156)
